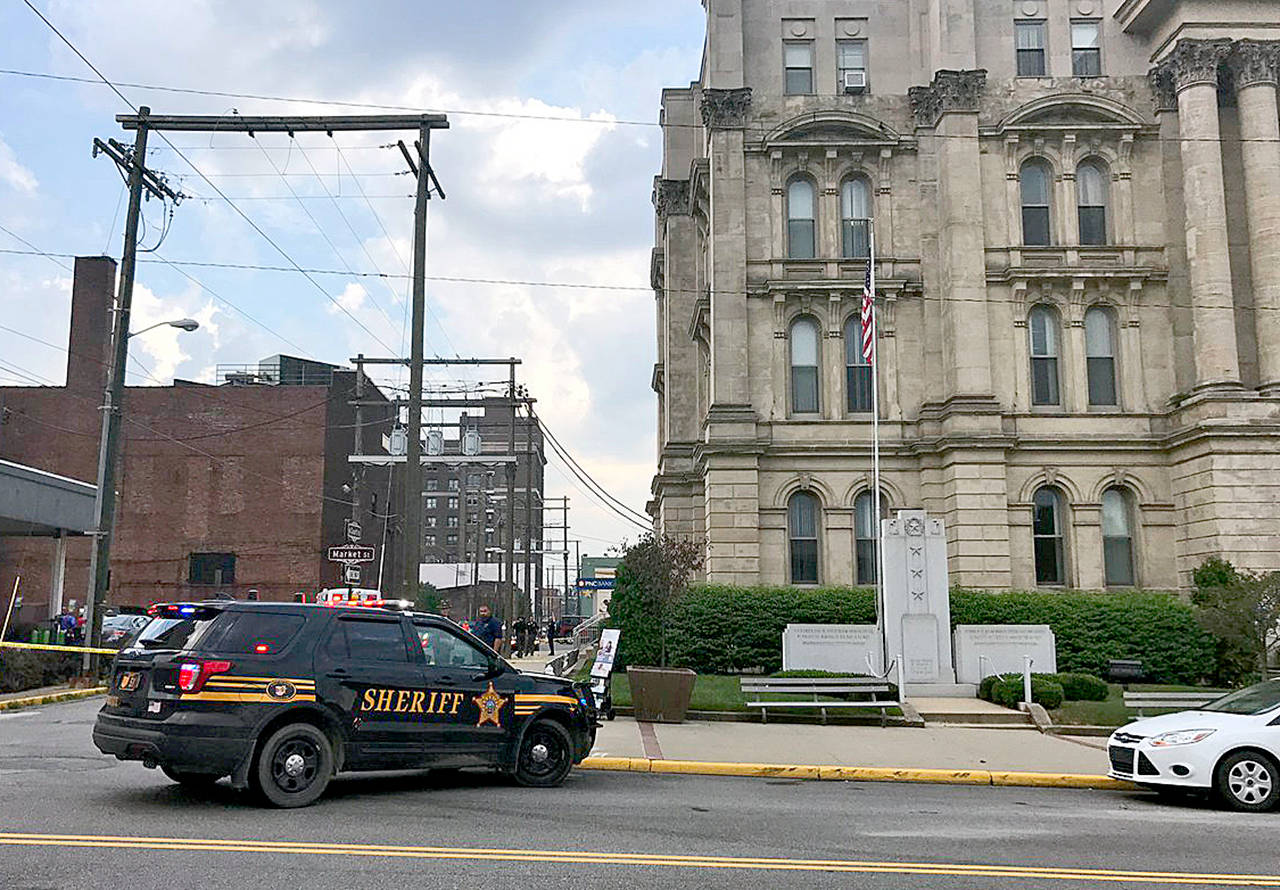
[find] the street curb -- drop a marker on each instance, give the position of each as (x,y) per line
(833,773)
(13,704)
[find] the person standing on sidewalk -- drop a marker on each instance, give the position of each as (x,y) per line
(488,629)
(551,637)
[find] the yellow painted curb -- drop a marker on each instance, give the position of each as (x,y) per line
(857,773)
(13,704)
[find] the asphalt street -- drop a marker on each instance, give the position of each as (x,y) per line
(72,818)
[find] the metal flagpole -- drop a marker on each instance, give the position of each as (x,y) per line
(875,449)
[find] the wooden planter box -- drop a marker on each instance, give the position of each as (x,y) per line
(660,695)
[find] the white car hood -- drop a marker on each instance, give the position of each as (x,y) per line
(1190,720)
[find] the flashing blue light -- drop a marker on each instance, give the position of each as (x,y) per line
(188,610)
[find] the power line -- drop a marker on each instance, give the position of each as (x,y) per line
(612,502)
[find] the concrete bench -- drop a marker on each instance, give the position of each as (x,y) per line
(1141,701)
(871,691)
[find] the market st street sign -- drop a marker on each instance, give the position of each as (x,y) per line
(351,553)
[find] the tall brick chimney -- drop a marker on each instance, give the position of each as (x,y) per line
(92,298)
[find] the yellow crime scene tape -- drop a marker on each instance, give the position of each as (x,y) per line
(49,647)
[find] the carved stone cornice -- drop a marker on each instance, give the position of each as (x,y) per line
(670,197)
(725,109)
(1254,63)
(1191,63)
(950,91)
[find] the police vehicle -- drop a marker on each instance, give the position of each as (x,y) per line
(282,696)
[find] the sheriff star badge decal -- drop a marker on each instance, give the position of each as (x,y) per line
(490,705)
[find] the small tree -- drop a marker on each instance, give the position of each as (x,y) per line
(654,574)
(1242,610)
(428,598)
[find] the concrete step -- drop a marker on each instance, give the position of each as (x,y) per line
(941,690)
(1007,720)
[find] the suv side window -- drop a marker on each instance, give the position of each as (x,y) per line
(361,639)
(250,631)
(443,648)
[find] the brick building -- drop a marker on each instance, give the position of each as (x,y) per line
(223,488)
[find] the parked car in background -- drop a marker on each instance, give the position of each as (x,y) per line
(1230,746)
(118,630)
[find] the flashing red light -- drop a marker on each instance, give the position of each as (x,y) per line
(193,674)
(262,648)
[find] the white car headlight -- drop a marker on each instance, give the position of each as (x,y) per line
(1181,737)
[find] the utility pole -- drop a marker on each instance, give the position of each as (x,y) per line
(140,178)
(564,526)
(510,537)
(530,590)
(357,470)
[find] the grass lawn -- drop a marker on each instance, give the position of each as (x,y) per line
(1112,712)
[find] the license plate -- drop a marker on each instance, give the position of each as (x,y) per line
(113,701)
(129,680)
(153,707)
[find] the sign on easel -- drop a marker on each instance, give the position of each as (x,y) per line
(606,654)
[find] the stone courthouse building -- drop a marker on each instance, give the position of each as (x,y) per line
(1076,214)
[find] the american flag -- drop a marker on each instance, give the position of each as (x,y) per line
(869,315)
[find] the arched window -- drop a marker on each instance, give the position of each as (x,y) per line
(804,366)
(1036,180)
(802,532)
(857,370)
(1117,538)
(1042,326)
(800,220)
(1091,202)
(855,218)
(1047,539)
(1100,355)
(864,535)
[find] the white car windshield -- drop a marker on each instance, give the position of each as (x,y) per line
(1256,699)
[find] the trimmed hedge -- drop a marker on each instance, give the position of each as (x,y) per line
(726,630)
(1083,687)
(1007,690)
(23,669)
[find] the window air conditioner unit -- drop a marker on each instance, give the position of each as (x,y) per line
(855,81)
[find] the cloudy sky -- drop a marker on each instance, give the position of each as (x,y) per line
(547,175)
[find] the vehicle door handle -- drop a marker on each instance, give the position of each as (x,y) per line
(338,673)
(446,680)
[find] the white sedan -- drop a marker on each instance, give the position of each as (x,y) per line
(1230,746)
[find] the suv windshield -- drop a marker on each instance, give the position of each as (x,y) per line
(1256,699)
(177,632)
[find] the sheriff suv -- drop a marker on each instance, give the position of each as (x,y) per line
(282,696)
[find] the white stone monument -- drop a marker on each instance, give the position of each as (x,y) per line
(917,603)
(985,649)
(840,648)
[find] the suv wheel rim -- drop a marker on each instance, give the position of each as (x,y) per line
(1250,782)
(544,753)
(295,764)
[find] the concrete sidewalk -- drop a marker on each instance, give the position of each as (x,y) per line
(936,747)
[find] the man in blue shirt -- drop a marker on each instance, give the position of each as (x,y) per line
(488,629)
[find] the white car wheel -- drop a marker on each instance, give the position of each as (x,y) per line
(1249,780)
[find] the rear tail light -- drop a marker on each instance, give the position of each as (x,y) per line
(193,674)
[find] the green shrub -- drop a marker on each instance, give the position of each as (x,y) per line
(1083,687)
(23,669)
(734,629)
(1006,690)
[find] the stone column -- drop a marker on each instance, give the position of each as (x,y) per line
(1255,66)
(1191,71)
(949,105)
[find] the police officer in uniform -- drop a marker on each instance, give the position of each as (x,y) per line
(488,629)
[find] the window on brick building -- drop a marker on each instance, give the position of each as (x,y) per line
(855,218)
(453,484)
(1117,538)
(851,57)
(1047,537)
(864,535)
(1091,202)
(1086,49)
(857,370)
(433,485)
(429,540)
(1042,327)
(451,521)
(431,522)
(431,503)
(453,503)
(1100,355)
(797,61)
(802,532)
(451,539)
(218,569)
(1035,184)
(801,220)
(804,366)
(1029,35)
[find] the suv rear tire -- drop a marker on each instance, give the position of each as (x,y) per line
(1248,781)
(293,766)
(545,756)
(190,779)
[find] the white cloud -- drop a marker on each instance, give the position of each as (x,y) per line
(13,173)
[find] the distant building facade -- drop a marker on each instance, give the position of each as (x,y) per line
(223,489)
(1076,213)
